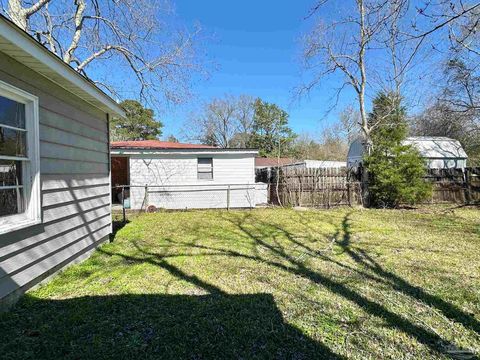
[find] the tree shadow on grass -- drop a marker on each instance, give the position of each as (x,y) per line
(117,225)
(361,257)
(215,326)
(258,231)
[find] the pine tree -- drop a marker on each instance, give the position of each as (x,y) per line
(270,131)
(396,171)
(139,124)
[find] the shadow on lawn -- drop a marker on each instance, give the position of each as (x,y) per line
(217,325)
(361,257)
(259,231)
(154,327)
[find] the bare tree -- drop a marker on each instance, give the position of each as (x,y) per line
(20,13)
(464,33)
(352,44)
(349,120)
(245,112)
(133,37)
(434,16)
(224,122)
(342,46)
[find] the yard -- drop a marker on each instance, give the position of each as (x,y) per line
(267,283)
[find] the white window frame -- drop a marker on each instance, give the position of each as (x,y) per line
(199,168)
(30,164)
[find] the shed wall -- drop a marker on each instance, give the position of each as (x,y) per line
(75,185)
(178,173)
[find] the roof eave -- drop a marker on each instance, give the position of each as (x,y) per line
(19,45)
(136,151)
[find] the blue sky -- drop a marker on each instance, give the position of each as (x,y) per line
(256,46)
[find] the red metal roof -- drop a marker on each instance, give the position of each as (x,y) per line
(156,144)
(269,162)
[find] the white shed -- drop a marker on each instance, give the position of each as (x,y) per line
(439,152)
(185,176)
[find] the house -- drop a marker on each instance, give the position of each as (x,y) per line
(184,176)
(54,163)
(438,152)
(268,163)
(316,164)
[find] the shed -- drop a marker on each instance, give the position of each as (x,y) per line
(438,152)
(54,163)
(184,176)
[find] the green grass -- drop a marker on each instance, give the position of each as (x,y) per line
(271,283)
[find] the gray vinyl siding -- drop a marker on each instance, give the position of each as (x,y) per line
(75,185)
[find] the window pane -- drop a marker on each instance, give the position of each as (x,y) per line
(10,173)
(12,142)
(12,113)
(205,176)
(205,161)
(11,202)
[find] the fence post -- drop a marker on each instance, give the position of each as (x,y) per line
(228,197)
(468,196)
(123,205)
(146,197)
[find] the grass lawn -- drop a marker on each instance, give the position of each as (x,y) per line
(267,283)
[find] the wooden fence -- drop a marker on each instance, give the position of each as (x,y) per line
(455,185)
(311,187)
(331,187)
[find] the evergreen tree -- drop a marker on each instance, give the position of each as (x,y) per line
(139,123)
(271,134)
(396,171)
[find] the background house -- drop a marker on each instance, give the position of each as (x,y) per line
(54,163)
(316,164)
(181,176)
(439,152)
(268,163)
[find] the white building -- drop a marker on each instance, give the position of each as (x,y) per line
(185,176)
(317,164)
(439,152)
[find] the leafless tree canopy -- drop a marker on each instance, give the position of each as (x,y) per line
(125,39)
(224,122)
(370,45)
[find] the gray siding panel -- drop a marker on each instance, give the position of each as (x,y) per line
(52,151)
(69,181)
(49,134)
(75,183)
(56,166)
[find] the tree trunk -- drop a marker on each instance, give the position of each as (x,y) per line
(17,14)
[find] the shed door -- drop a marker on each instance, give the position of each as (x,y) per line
(120,174)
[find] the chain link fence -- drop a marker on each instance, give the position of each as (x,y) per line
(149,198)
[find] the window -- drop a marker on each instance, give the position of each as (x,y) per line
(205,168)
(19,159)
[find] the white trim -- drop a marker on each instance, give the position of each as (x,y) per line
(31,164)
(10,187)
(66,77)
(14,158)
(12,127)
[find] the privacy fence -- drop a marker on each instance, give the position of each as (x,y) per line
(339,186)
(311,187)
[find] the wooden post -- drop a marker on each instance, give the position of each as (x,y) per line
(228,197)
(123,205)
(468,195)
(146,197)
